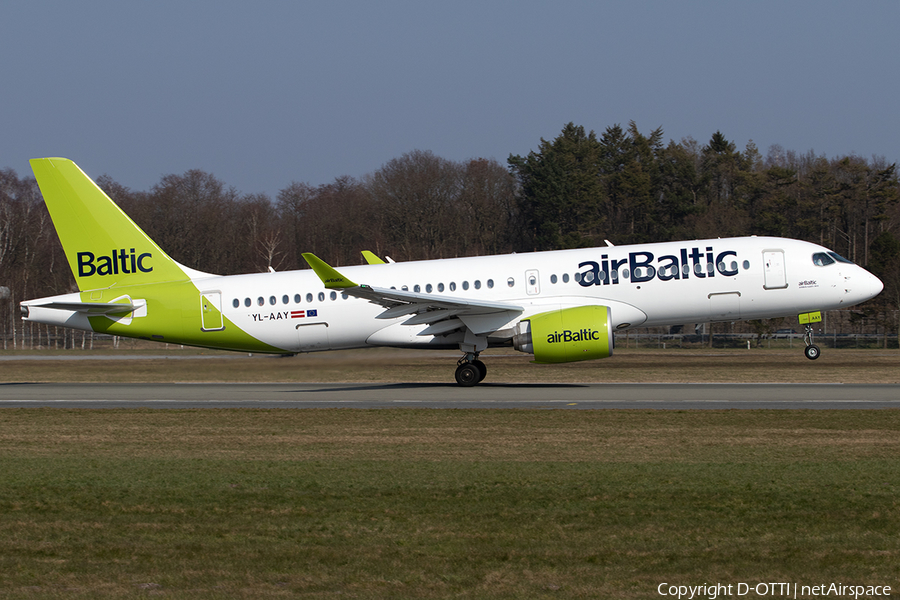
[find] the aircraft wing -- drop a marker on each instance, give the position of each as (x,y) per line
(442,314)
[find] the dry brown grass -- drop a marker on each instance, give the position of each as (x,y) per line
(497,435)
(386,365)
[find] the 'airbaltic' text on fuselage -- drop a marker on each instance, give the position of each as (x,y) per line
(119,261)
(687,263)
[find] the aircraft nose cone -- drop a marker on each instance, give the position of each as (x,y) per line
(861,286)
(875,285)
(867,285)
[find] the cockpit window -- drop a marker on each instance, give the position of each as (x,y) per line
(840,258)
(820,259)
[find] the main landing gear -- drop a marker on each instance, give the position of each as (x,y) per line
(811,351)
(470,370)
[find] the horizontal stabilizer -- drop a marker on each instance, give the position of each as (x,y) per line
(90,308)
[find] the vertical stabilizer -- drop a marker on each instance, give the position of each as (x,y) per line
(103,246)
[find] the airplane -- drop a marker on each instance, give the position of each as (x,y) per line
(559,306)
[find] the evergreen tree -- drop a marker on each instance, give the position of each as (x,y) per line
(561,198)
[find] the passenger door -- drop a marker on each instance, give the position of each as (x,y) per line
(773,265)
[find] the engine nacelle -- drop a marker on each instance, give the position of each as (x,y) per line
(566,335)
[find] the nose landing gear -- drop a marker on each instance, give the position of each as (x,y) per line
(811,351)
(470,371)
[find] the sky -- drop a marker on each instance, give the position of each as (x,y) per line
(265,93)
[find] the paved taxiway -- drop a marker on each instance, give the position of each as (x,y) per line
(432,395)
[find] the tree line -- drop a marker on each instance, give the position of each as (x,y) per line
(575,190)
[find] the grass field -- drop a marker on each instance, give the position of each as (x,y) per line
(437,504)
(504,366)
(446,503)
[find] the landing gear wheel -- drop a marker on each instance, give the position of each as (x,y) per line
(811,351)
(468,374)
(482,369)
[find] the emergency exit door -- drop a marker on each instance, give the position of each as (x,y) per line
(532,283)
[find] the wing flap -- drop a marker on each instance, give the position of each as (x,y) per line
(442,327)
(431,316)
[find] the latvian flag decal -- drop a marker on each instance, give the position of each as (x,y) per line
(299,314)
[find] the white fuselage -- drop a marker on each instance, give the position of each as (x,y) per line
(645,285)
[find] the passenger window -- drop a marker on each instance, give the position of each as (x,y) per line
(272,300)
(452,286)
(440,287)
(465,285)
(553,278)
(285,299)
(405,288)
(625,273)
(261,301)
(417,288)
(321,296)
(686,270)
(511,282)
(236,303)
(428,288)
(297,298)
(477,284)
(577,277)
(746,265)
(334,295)
(309,297)
(247,302)
(565,278)
(490,283)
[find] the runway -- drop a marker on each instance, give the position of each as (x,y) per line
(593,396)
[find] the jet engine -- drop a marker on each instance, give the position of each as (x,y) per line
(566,334)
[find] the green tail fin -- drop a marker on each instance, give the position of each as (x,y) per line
(103,246)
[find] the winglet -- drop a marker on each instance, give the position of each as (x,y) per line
(329,276)
(371,258)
